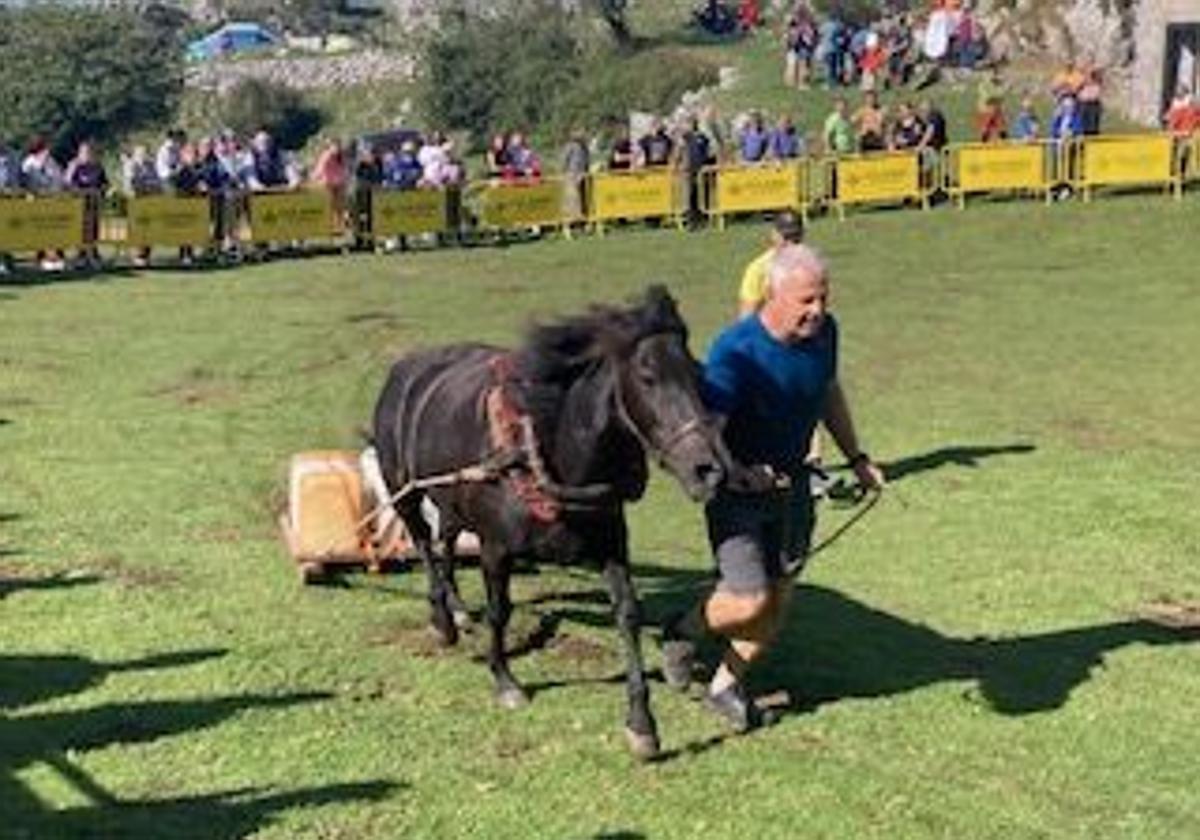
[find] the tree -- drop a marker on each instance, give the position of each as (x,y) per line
(74,74)
(254,104)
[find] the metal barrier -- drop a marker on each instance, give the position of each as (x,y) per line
(293,215)
(886,177)
(757,188)
(973,168)
(43,223)
(505,206)
(413,212)
(1136,160)
(641,194)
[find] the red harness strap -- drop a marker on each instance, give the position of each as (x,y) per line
(512,431)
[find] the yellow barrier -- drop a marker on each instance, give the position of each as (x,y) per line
(1128,161)
(408,212)
(753,189)
(634,195)
(893,176)
(41,223)
(168,220)
(996,167)
(288,216)
(503,206)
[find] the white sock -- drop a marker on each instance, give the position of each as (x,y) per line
(722,679)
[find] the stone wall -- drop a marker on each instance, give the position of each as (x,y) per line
(304,73)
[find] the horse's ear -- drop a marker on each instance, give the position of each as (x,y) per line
(661,312)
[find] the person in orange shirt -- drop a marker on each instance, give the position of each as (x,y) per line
(1183,116)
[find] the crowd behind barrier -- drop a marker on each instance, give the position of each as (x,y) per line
(81,221)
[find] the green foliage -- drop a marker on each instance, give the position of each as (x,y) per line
(70,74)
(476,81)
(647,81)
(255,104)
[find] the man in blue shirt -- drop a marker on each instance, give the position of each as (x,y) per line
(770,377)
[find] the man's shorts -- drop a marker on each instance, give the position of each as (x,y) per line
(756,537)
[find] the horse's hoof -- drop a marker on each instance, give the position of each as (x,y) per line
(444,636)
(512,698)
(644,746)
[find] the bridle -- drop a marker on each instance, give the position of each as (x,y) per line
(663,449)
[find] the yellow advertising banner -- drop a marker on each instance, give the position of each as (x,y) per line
(281,217)
(636,195)
(1002,166)
(758,188)
(38,224)
(878,178)
(408,212)
(515,205)
(168,220)
(1128,160)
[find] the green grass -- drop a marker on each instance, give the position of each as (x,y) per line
(967,657)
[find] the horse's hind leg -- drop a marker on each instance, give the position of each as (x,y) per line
(458,608)
(496,572)
(640,728)
(439,611)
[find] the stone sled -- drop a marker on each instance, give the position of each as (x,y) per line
(338,517)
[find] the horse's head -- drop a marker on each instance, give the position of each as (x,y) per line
(657,397)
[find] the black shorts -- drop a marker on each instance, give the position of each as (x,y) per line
(755,539)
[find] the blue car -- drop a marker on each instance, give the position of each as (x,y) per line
(233,39)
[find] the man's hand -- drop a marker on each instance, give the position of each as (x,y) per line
(757,478)
(868,473)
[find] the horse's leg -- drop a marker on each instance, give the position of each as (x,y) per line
(640,728)
(439,612)
(497,568)
(458,608)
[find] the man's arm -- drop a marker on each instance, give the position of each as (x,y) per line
(840,423)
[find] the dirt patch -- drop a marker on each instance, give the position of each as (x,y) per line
(577,649)
(197,386)
(114,568)
(376,316)
(1086,434)
(415,639)
(1172,613)
(318,365)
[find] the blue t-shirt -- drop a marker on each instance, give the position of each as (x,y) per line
(771,393)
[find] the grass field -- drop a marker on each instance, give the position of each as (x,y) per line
(967,661)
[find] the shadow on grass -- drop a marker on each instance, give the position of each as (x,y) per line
(959,456)
(836,648)
(51,738)
(20,583)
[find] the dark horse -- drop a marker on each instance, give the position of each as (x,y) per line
(563,424)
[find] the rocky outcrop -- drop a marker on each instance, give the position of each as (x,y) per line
(1124,37)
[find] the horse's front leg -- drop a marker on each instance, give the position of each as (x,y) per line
(497,568)
(640,728)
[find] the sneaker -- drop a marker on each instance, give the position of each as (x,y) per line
(735,708)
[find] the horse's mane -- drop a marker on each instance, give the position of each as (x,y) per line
(556,353)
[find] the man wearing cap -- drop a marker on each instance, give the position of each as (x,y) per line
(769,378)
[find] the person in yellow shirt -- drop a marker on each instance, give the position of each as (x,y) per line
(787,229)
